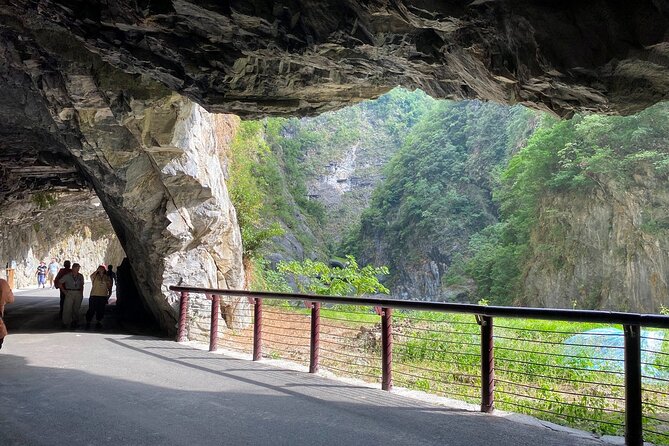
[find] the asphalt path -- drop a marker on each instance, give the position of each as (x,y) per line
(90,388)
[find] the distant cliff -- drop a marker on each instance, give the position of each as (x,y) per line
(608,249)
(468,200)
(403,181)
(313,177)
(345,153)
(584,217)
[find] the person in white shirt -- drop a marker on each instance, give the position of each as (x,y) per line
(73,286)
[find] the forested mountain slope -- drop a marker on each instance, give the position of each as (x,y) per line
(585,217)
(310,178)
(437,193)
(466,200)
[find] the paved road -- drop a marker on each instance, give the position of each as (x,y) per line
(92,388)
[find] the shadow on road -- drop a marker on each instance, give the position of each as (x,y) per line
(37,311)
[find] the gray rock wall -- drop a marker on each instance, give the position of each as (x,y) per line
(163,192)
(176,222)
(608,250)
(150,156)
(202,218)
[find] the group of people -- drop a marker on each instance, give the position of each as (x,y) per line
(70,282)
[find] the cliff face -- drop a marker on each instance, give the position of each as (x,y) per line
(159,178)
(345,153)
(609,249)
(167,202)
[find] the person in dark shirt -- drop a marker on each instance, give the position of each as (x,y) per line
(112,276)
(41,275)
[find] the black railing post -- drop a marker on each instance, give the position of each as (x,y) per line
(633,401)
(387,348)
(213,326)
(315,336)
(257,329)
(487,364)
(183,316)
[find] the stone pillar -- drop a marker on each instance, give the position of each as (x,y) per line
(157,166)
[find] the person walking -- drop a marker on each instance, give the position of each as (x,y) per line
(6,297)
(73,285)
(112,277)
(41,275)
(52,271)
(100,289)
(62,273)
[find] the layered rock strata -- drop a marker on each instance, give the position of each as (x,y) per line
(301,57)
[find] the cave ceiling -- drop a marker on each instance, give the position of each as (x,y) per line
(64,62)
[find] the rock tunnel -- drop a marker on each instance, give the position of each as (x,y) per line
(122,97)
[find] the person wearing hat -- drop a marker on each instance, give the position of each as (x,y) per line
(101,284)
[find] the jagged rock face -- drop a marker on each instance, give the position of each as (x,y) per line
(152,157)
(69,226)
(607,250)
(200,214)
(263,57)
(171,209)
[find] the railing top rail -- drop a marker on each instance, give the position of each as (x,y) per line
(607,317)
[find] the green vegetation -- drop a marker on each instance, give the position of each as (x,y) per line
(251,164)
(438,187)
(461,198)
(266,184)
(272,162)
(266,278)
(534,372)
(361,138)
(44,200)
(289,153)
(566,158)
(351,280)
(468,187)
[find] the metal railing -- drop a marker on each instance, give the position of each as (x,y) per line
(519,364)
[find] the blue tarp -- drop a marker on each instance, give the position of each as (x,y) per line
(603,349)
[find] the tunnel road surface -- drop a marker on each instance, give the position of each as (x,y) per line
(98,388)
